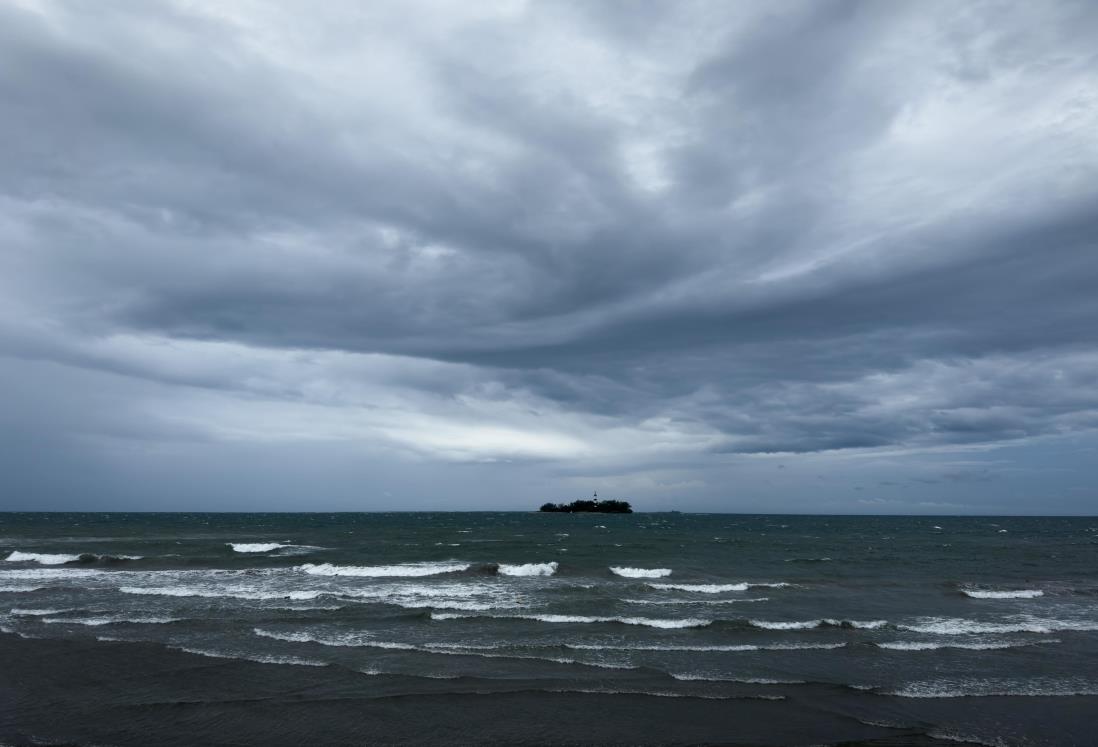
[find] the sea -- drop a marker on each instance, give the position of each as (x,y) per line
(570,628)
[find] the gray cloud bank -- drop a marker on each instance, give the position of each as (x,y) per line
(459,254)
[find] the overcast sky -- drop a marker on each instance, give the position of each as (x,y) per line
(802,256)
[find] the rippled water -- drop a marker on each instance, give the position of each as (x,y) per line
(668,604)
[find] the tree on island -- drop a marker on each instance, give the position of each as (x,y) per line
(591,506)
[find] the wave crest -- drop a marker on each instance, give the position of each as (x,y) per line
(983,688)
(645,621)
(822,623)
(384,571)
(930,646)
(695,601)
(962,626)
(256,547)
(184,591)
(42,558)
(96,621)
(640,572)
(720,588)
(528,569)
(1003,593)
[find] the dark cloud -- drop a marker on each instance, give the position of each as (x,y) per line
(556,241)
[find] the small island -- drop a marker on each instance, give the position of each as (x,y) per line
(592,506)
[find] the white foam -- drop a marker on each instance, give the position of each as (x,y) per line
(305,607)
(713,648)
(37,613)
(259,658)
(41,558)
(458,650)
(640,572)
(791,625)
(1023,624)
(62,558)
(695,601)
(451,605)
(859,624)
(342,640)
(378,571)
(411,590)
(825,622)
(187,591)
(51,573)
(256,546)
(354,640)
(646,621)
(110,620)
(1003,594)
(931,646)
(744,680)
(529,569)
(701,588)
(719,588)
(359,640)
(983,688)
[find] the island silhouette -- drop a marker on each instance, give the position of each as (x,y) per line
(589,506)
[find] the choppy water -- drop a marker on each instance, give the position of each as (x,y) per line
(685,605)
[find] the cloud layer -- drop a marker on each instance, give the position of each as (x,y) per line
(545,245)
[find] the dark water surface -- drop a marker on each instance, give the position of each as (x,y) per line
(729,628)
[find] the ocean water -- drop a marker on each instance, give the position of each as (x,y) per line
(896,622)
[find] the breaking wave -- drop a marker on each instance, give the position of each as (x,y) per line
(823,623)
(49,573)
(712,648)
(95,621)
(256,547)
(983,688)
(640,572)
(931,646)
(346,639)
(961,626)
(447,649)
(528,569)
(259,658)
(185,591)
(384,571)
(450,605)
(742,680)
(41,558)
(695,601)
(645,621)
(1003,594)
(718,588)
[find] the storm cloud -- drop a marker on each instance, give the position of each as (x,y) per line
(813,256)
